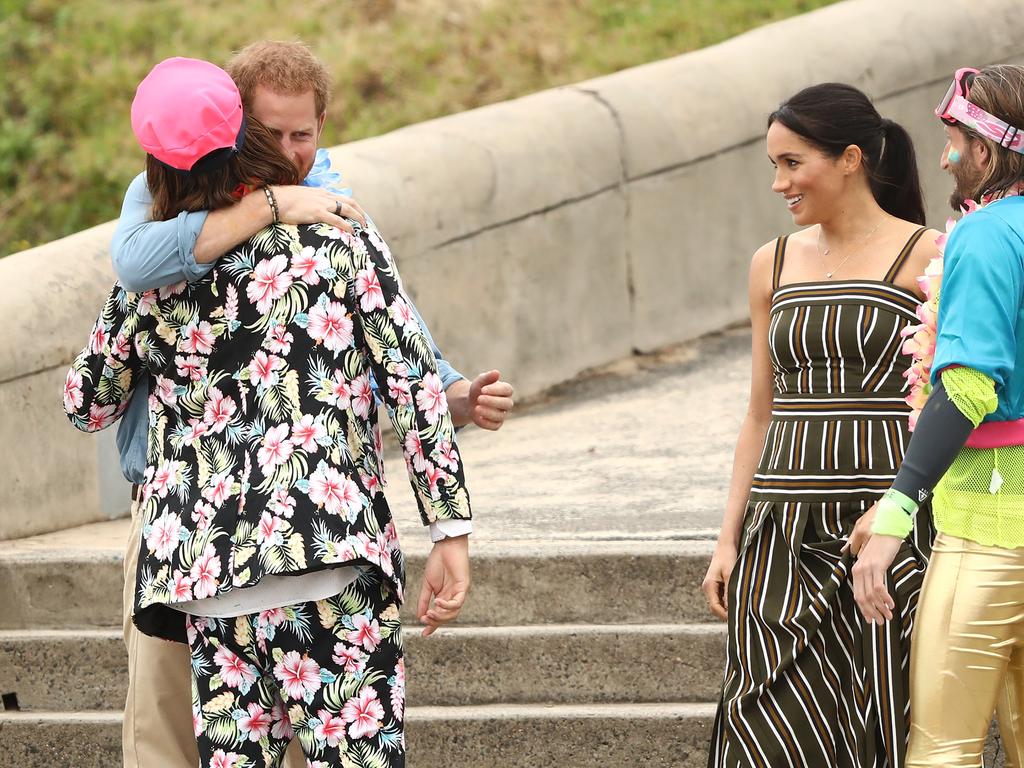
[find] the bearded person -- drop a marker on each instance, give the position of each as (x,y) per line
(967,451)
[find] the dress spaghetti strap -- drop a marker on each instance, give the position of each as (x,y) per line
(780,257)
(897,265)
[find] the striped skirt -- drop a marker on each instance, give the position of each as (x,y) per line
(808,682)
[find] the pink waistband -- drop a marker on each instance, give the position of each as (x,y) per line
(997,434)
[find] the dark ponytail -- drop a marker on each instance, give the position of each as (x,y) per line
(833,116)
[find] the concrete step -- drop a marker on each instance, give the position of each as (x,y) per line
(554,664)
(512,736)
(521,582)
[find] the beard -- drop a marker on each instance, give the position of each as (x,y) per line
(965,182)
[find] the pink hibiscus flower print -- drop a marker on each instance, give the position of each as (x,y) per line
(364,632)
(445,454)
(414,449)
(73,390)
(120,347)
(197,339)
(146,303)
(100,416)
(268,532)
(403,315)
(364,712)
(163,536)
(205,571)
(331,729)
(278,340)
(330,326)
(192,366)
(282,503)
(362,395)
(336,493)
(172,290)
(262,369)
(276,448)
(269,282)
(282,727)
(368,290)
(384,555)
(399,390)
(350,658)
(218,410)
(218,490)
(341,393)
(202,514)
(181,587)
(255,723)
(165,390)
(306,433)
(307,264)
(299,675)
(431,398)
(98,338)
(165,477)
(235,672)
(434,475)
(222,759)
(398,693)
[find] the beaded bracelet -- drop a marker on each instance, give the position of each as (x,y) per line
(272,201)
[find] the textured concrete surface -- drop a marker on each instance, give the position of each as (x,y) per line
(654,735)
(545,235)
(83,670)
(527,582)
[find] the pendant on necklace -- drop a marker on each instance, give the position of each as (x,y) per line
(828,275)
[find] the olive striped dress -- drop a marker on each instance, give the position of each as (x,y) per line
(808,683)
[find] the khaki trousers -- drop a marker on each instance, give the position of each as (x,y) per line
(967,656)
(157,730)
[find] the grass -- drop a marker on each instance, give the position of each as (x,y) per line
(68,71)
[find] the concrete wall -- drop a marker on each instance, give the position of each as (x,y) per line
(541,236)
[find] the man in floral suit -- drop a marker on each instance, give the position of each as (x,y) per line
(287,87)
(264,471)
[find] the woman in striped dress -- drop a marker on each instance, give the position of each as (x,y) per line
(807,682)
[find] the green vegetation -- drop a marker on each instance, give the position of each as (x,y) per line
(68,71)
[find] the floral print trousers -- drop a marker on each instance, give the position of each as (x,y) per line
(329,672)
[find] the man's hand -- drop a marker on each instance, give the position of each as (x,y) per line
(861,531)
(309,205)
(486,401)
(869,572)
(446,580)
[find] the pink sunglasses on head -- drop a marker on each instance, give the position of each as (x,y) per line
(955,109)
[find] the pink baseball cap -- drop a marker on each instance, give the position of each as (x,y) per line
(186,109)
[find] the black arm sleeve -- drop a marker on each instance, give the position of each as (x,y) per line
(940,433)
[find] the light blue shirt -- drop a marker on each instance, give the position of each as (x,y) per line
(150,254)
(981,302)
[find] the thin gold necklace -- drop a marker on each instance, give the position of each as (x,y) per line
(827,251)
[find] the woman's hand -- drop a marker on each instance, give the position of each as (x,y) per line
(873,563)
(716,582)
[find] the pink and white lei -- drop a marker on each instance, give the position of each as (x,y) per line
(920,339)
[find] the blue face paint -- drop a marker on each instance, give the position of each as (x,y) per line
(953,156)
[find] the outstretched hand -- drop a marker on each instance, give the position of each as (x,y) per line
(490,400)
(446,580)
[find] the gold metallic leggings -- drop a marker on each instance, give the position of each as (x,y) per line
(967,656)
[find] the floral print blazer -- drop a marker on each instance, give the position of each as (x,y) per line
(264,450)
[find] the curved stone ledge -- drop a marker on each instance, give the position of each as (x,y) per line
(544,235)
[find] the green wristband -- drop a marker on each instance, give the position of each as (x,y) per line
(895,515)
